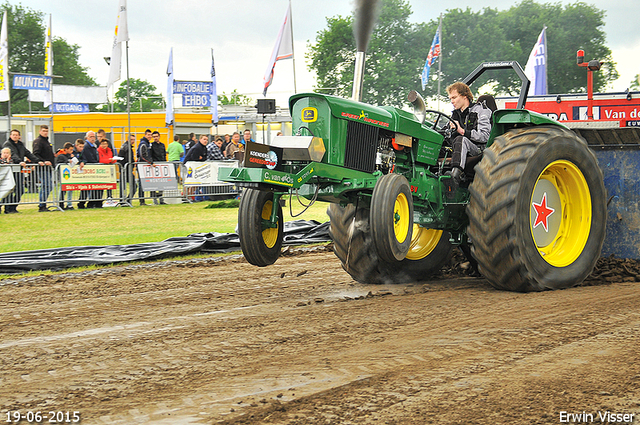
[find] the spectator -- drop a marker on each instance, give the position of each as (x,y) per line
(65,156)
(5,156)
(213,150)
(105,154)
(125,151)
(175,150)
(77,156)
(158,154)
(100,136)
(90,156)
(225,143)
(43,150)
(144,148)
(77,151)
(144,155)
(233,147)
(18,154)
(191,142)
(247,137)
(199,151)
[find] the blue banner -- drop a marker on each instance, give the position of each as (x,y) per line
(196,100)
(192,87)
(69,107)
(31,82)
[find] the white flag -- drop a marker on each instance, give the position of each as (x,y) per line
(282,50)
(121,35)
(4,61)
(169,113)
(536,69)
(48,62)
(214,93)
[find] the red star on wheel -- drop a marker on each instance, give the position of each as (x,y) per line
(543,212)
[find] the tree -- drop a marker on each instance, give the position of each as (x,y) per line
(569,28)
(66,65)
(398,49)
(142,95)
(470,38)
(393,60)
(235,98)
(635,84)
(26,32)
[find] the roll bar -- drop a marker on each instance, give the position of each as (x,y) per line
(524,90)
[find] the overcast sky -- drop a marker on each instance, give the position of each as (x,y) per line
(243,32)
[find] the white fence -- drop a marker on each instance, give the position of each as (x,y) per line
(105,185)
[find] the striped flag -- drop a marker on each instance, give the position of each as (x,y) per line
(282,50)
(434,52)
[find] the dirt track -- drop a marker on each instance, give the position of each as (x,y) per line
(299,342)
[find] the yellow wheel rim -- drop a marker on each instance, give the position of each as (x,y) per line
(560,213)
(270,234)
(401,218)
(423,242)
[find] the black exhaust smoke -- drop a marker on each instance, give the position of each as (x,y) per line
(366,15)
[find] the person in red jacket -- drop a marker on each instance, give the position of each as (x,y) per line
(105,154)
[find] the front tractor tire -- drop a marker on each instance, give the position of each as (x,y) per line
(537,210)
(392,217)
(261,242)
(353,244)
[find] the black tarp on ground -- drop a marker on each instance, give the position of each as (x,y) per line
(299,232)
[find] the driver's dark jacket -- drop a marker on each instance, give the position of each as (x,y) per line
(476,121)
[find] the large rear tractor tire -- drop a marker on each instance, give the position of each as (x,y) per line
(537,210)
(353,244)
(392,217)
(261,244)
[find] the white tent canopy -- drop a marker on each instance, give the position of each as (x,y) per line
(72,94)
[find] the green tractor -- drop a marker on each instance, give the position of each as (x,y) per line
(531,209)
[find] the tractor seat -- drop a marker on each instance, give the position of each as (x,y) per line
(488,101)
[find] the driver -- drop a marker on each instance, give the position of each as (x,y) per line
(471,125)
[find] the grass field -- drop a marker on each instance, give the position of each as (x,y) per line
(32,230)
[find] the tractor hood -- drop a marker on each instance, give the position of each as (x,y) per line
(304,108)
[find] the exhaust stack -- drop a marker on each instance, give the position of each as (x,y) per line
(419,107)
(366,15)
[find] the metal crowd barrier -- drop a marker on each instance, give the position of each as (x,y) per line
(59,188)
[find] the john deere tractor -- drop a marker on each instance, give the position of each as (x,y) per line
(530,210)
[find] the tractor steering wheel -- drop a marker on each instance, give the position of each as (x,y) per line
(441,123)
